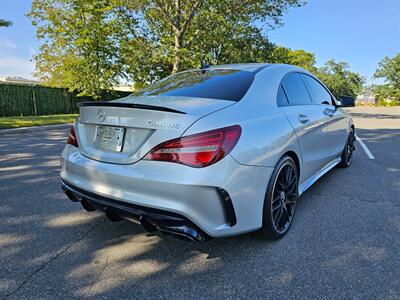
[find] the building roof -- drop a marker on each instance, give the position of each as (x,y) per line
(9,79)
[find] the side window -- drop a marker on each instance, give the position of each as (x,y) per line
(319,93)
(281,98)
(296,90)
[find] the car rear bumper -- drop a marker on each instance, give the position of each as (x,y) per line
(150,219)
(220,200)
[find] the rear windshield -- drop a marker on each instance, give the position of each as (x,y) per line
(222,84)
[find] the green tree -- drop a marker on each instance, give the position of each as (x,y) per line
(89,45)
(339,79)
(4,23)
(182,33)
(228,42)
(299,58)
(389,70)
(81,43)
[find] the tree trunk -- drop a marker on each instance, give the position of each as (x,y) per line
(177,62)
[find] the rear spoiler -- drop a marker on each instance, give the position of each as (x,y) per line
(129,105)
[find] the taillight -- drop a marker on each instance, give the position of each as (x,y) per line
(198,150)
(72,137)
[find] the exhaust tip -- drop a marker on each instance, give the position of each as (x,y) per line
(183,232)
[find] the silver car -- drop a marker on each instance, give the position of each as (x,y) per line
(212,152)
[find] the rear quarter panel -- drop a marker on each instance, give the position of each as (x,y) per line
(266,132)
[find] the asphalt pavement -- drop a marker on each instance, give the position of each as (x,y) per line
(344,242)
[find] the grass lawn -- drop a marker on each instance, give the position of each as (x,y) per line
(16,122)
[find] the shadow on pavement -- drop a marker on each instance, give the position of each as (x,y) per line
(50,247)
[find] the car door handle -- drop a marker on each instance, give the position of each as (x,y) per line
(329,112)
(303,119)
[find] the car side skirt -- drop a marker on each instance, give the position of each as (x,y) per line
(309,182)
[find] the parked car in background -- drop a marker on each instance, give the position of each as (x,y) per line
(212,152)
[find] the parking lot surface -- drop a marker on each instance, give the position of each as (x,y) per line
(344,242)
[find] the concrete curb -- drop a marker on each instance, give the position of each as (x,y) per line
(34,128)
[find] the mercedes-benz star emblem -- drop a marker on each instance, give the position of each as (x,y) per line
(101,116)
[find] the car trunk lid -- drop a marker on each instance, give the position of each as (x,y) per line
(123,131)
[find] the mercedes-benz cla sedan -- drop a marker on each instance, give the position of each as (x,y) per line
(211,152)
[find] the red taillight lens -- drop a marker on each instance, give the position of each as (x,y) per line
(72,138)
(198,150)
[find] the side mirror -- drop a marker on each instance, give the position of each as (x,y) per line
(347,101)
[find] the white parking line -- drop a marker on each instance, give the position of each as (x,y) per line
(365,148)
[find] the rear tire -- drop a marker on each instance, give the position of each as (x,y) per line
(347,154)
(280,199)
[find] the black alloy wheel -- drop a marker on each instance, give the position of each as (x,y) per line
(281,199)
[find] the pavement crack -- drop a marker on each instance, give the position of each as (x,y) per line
(48,262)
(97,278)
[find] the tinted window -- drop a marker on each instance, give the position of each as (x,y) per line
(319,93)
(216,84)
(296,90)
(281,98)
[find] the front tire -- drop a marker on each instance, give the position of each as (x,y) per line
(280,199)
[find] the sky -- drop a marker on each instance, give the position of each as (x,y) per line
(359,32)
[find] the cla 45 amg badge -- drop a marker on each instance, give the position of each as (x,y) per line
(163,124)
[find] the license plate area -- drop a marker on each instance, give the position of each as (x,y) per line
(109,138)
